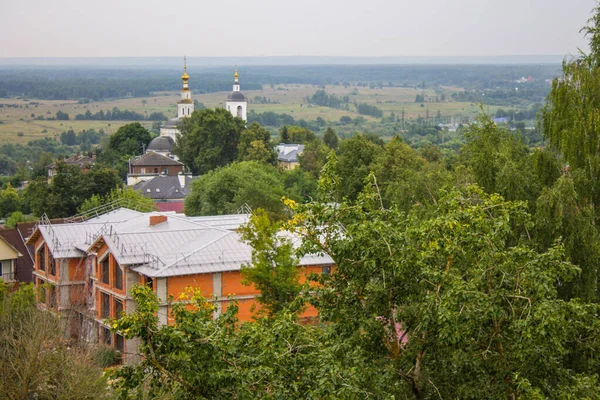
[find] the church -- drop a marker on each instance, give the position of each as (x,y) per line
(236,104)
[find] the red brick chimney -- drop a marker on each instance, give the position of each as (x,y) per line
(157,219)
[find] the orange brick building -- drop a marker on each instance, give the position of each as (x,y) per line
(91,266)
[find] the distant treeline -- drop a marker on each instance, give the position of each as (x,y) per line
(63,83)
(322,98)
(84,138)
(276,120)
(102,84)
(120,115)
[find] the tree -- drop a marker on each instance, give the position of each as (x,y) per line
(129,139)
(500,162)
(35,359)
(273,269)
(201,357)
(62,116)
(313,157)
(8,166)
(125,196)
(255,145)
(568,120)
(226,189)
(330,138)
(298,135)
(18,217)
(9,200)
(561,213)
(355,161)
(209,139)
(457,310)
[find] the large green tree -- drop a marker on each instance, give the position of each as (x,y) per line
(209,139)
(274,268)
(255,145)
(129,139)
(459,303)
(226,189)
(570,120)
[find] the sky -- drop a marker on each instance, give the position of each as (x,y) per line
(201,28)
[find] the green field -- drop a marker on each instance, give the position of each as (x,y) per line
(20,125)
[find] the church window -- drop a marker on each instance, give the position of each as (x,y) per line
(239,111)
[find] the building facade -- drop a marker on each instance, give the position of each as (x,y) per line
(86,270)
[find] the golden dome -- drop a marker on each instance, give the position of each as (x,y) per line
(185,76)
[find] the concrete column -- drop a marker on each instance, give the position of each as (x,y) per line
(217,279)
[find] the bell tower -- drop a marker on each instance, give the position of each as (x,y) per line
(185,106)
(236,102)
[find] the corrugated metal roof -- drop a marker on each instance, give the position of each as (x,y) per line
(179,246)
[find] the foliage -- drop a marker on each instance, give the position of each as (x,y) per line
(255,145)
(129,139)
(69,189)
(313,157)
(500,162)
(330,138)
(456,310)
(355,161)
(198,357)
(125,196)
(226,189)
(296,135)
(18,217)
(209,139)
(569,120)
(35,359)
(9,201)
(273,269)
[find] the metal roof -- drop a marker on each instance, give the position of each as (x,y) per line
(178,246)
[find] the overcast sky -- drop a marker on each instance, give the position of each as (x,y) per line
(116,28)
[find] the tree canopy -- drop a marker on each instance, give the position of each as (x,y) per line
(209,139)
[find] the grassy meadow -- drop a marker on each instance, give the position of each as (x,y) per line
(19,125)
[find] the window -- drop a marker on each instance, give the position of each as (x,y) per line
(148,281)
(52,297)
(6,270)
(143,170)
(120,343)
(41,289)
(104,270)
(326,270)
(156,170)
(105,301)
(239,111)
(118,308)
(106,336)
(42,259)
(51,264)
(118,277)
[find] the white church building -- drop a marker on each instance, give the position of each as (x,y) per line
(236,104)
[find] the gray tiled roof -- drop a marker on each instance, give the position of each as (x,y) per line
(164,187)
(289,152)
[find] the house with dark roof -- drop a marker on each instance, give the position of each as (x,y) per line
(20,269)
(287,155)
(150,165)
(83,162)
(168,192)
